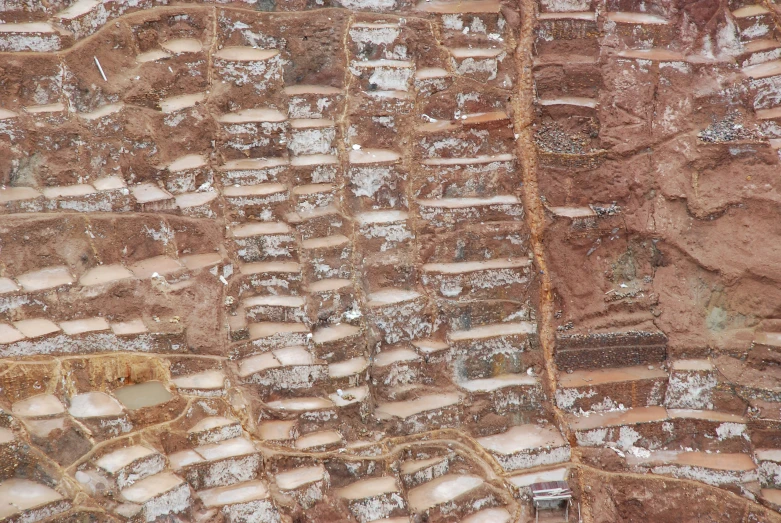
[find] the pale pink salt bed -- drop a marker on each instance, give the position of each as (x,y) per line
(119,459)
(19,495)
(522,437)
(295,478)
(367,488)
(207,380)
(232,494)
(94,405)
(151,487)
(316,439)
(40,406)
(440,490)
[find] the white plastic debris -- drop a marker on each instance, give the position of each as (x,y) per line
(155,275)
(339,392)
(100,69)
(356,147)
(223,280)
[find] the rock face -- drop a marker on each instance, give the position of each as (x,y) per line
(379,260)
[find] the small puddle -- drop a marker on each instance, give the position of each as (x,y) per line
(143,395)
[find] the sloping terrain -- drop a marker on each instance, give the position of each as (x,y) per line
(376,260)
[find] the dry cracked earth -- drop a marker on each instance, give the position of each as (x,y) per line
(286,261)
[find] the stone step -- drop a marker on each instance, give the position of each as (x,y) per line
(691,385)
(313,196)
(332,255)
(383,231)
(288,368)
(609,389)
(488,350)
(30,36)
(570,25)
(398,315)
(771,498)
(466,177)
(43,336)
(333,301)
(266,201)
(276,309)
(610,349)
(253,171)
(339,342)
(708,430)
(308,413)
(718,469)
(419,471)
(451,212)
(208,383)
(754,22)
(376,40)
(446,7)
(394,367)
(478,280)
(313,101)
(507,393)
(455,494)
(246,501)
(100,412)
(445,139)
(769,463)
(763,70)
(481,64)
(640,426)
(280,432)
(214,429)
(640,29)
(374,498)
(219,464)
(757,52)
(281,277)
(314,168)
(275,335)
(307,485)
(242,65)
(320,441)
(348,373)
(658,54)
(423,413)
(489,515)
(87,198)
(264,241)
(527,446)
(383,74)
(312,136)
(155,496)
(128,465)
(522,481)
